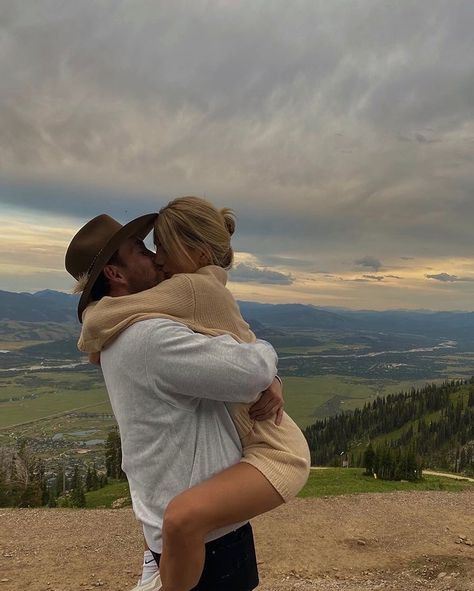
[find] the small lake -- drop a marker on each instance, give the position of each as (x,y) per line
(43,367)
(82,433)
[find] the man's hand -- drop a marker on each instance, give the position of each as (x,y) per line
(270,403)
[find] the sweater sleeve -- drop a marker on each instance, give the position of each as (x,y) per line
(106,319)
(219,368)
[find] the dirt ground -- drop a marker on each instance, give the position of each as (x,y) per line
(398,541)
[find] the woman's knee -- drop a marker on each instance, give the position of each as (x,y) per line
(181,518)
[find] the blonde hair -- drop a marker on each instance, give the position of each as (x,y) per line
(193,222)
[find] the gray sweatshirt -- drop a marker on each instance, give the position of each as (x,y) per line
(168,387)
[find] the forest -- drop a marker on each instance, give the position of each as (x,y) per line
(428,427)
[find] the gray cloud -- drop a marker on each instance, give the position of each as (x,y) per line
(285,261)
(79,200)
(356,280)
(248,273)
(374,277)
(366,278)
(422,139)
(370,262)
(334,129)
(446,278)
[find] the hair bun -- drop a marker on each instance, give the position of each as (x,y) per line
(229,220)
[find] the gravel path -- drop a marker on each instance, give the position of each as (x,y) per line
(403,541)
(448,475)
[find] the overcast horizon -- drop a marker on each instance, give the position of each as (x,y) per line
(340,133)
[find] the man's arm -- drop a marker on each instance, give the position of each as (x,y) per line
(184,362)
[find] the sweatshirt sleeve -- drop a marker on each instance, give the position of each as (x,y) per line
(182,362)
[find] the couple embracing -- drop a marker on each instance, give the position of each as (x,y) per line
(206,445)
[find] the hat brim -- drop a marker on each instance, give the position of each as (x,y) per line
(139,227)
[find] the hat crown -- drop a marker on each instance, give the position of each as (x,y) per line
(88,243)
(95,244)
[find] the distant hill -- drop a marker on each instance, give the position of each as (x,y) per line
(436,422)
(428,323)
(414,322)
(54,306)
(269,319)
(43,306)
(12,330)
(299,316)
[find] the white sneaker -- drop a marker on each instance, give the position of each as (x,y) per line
(154,584)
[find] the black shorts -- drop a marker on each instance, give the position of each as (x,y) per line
(230,565)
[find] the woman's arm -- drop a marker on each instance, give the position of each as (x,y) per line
(104,320)
(270,404)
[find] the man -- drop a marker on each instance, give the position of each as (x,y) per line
(168,387)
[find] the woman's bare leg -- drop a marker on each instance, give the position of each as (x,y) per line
(234,495)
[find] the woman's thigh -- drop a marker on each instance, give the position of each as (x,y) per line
(231,496)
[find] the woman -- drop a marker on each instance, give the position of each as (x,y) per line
(193,250)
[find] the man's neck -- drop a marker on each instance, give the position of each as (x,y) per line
(118,291)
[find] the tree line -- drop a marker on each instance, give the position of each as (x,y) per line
(443,441)
(388,463)
(24,481)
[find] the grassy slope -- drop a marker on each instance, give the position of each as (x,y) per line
(434,417)
(340,481)
(104,497)
(62,392)
(325,482)
(47,405)
(56,393)
(303,396)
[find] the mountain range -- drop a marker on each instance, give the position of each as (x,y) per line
(42,306)
(59,307)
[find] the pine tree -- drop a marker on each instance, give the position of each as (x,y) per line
(78,498)
(25,478)
(369,460)
(43,485)
(113,456)
(88,481)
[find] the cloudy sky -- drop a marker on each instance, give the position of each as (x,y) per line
(341,133)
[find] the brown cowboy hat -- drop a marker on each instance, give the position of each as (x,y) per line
(94,245)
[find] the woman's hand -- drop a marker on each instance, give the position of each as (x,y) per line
(270,403)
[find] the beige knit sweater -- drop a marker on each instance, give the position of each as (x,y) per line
(202,302)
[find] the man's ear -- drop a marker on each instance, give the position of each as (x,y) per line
(114,274)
